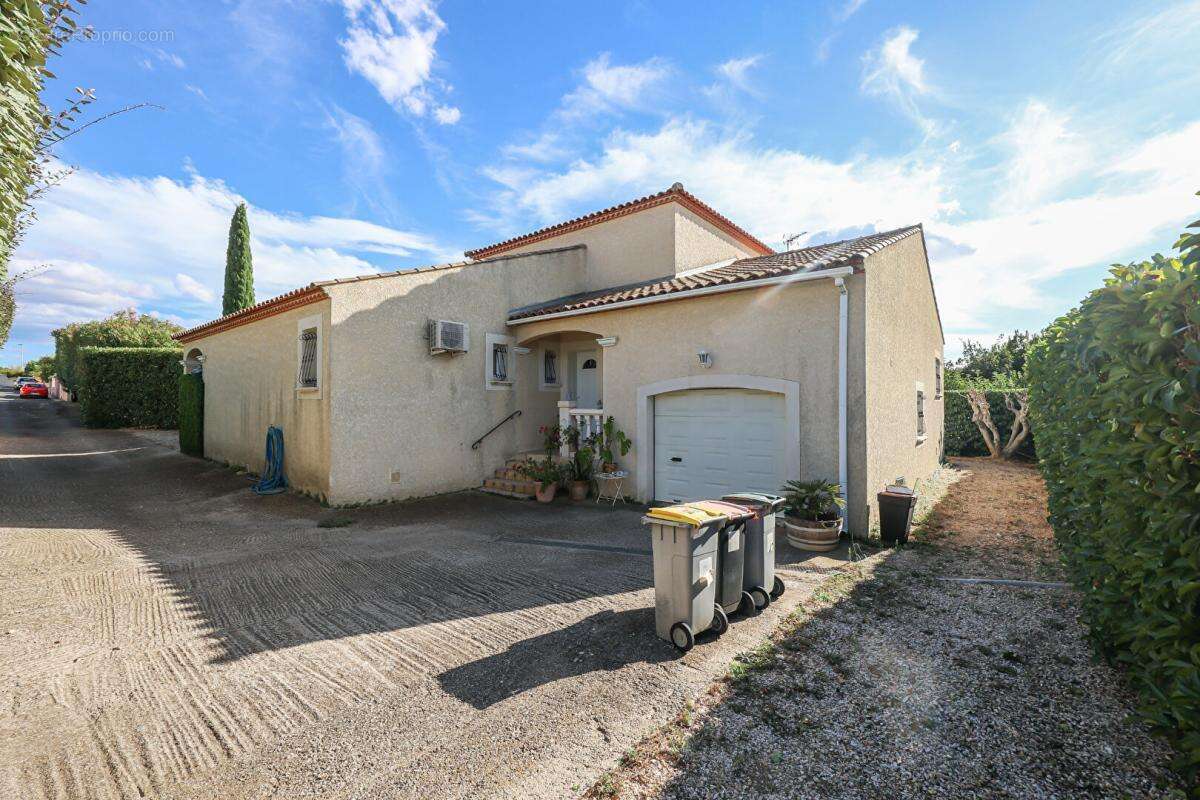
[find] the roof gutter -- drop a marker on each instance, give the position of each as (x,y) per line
(795,277)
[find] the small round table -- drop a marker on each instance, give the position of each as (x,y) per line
(608,485)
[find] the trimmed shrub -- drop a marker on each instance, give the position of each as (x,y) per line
(962,435)
(129,387)
(1115,396)
(123,329)
(191,415)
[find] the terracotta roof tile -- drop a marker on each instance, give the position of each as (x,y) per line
(849,252)
(675,194)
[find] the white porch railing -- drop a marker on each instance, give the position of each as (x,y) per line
(588,421)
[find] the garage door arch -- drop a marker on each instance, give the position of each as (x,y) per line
(645,417)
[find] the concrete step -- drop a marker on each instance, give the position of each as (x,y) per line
(519,457)
(509,474)
(511,488)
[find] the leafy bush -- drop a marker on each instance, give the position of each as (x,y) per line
(129,387)
(1115,393)
(123,329)
(962,435)
(191,415)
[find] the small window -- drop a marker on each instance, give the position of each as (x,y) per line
(500,363)
(937,378)
(589,364)
(920,414)
(307,378)
(550,368)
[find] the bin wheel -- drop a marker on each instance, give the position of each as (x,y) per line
(720,622)
(682,637)
(777,589)
(761,597)
(746,606)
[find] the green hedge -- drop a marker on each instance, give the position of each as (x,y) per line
(191,415)
(962,435)
(1115,397)
(129,387)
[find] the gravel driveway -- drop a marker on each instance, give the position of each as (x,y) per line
(901,684)
(166,633)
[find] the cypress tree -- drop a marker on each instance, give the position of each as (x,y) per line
(239,266)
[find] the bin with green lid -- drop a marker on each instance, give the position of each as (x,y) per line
(758,574)
(685,573)
(731,551)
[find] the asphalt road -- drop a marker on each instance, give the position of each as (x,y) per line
(166,633)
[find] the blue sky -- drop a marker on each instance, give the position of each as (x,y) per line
(1037,142)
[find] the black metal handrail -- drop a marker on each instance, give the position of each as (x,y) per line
(479,441)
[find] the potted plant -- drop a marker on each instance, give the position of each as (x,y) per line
(812,516)
(611,437)
(580,470)
(546,473)
(552,439)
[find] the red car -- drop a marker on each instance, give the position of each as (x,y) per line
(35,390)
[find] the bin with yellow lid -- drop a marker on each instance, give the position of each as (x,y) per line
(685,572)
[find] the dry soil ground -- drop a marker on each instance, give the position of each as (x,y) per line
(901,684)
(165,633)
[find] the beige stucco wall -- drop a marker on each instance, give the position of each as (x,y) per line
(403,421)
(787,333)
(651,243)
(903,339)
(698,243)
(250,384)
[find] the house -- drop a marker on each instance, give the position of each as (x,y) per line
(729,365)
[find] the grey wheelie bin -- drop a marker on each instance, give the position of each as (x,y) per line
(731,551)
(758,576)
(685,573)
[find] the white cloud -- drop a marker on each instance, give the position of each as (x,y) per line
(169,58)
(1045,154)
(190,287)
(196,90)
(737,72)
(892,71)
(773,191)
(111,242)
(609,87)
(848,10)
(984,267)
(392,43)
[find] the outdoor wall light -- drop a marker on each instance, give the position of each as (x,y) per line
(705,358)
(607,341)
(522,351)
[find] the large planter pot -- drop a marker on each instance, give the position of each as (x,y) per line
(545,492)
(579,489)
(814,535)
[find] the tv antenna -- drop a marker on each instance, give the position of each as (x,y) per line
(787,241)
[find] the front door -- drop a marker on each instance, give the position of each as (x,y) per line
(587,379)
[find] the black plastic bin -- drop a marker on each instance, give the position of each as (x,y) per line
(896,505)
(731,555)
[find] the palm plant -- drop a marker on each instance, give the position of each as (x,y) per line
(814,500)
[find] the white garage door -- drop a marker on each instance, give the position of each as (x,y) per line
(710,442)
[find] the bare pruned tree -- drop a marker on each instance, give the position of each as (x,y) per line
(1017,402)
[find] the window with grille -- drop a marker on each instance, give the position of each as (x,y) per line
(307,379)
(550,368)
(937,377)
(920,413)
(500,363)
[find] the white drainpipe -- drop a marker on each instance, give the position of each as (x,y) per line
(843,330)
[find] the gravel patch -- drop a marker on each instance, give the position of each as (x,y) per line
(891,682)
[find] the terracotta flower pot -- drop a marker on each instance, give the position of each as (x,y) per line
(579,490)
(814,535)
(545,492)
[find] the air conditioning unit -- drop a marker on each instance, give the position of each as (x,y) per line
(447,337)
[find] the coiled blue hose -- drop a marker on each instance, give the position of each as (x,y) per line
(272,480)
